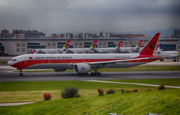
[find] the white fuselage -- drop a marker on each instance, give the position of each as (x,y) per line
(65,61)
(78,50)
(168,54)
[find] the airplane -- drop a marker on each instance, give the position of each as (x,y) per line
(120,49)
(50,51)
(82,50)
(108,50)
(132,49)
(167,54)
(83,63)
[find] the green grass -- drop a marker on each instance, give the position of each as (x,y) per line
(138,103)
(59,85)
(33,90)
(136,68)
(3,62)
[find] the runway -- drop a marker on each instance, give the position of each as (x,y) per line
(7,74)
(53,76)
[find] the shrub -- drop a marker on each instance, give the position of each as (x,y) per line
(127,91)
(149,90)
(122,90)
(69,92)
(47,96)
(100,91)
(135,90)
(161,87)
(110,91)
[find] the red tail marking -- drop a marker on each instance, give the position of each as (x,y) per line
(119,44)
(157,47)
(140,43)
(67,44)
(94,43)
(150,46)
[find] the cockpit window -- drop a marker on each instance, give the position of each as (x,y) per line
(13,60)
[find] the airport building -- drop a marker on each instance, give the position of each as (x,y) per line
(12,46)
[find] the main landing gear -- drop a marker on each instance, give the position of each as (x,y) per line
(95,73)
(20,74)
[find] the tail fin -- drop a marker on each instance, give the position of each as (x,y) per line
(150,46)
(93,45)
(158,48)
(118,45)
(138,45)
(66,45)
(160,45)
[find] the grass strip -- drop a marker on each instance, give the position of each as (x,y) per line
(33,90)
(137,103)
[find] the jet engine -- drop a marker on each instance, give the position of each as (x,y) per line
(82,68)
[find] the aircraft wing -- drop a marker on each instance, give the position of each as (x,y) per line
(104,63)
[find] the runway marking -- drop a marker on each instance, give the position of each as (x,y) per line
(132,83)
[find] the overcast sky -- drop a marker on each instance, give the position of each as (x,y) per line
(89,15)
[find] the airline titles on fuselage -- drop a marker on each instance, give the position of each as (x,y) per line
(69,57)
(64,57)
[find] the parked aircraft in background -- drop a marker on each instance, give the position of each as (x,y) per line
(167,54)
(83,63)
(119,49)
(50,51)
(132,49)
(108,50)
(82,50)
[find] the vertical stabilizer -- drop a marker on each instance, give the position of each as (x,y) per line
(150,46)
(66,45)
(138,45)
(93,45)
(119,44)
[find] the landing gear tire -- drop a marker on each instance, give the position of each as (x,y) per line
(96,74)
(21,74)
(174,59)
(161,59)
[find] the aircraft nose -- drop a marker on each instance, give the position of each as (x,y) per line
(9,63)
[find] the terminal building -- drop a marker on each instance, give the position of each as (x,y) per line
(19,46)
(19,41)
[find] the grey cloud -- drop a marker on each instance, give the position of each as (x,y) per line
(89,15)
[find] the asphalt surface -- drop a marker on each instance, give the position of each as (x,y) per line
(9,75)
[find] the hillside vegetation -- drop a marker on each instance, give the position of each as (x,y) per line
(137,103)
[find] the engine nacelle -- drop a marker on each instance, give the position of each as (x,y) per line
(82,68)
